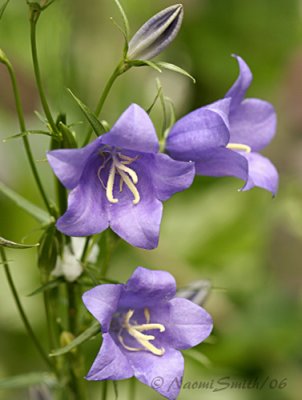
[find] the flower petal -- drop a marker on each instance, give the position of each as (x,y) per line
(262,173)
(222,162)
(110,363)
(87,206)
(138,224)
(133,131)
(146,288)
(238,90)
(253,123)
(188,324)
(162,373)
(170,176)
(68,165)
(101,302)
(199,131)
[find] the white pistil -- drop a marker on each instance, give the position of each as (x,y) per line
(239,147)
(141,338)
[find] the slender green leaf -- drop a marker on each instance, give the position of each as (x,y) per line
(3,7)
(83,337)
(125,19)
(26,205)
(96,125)
(33,378)
(145,63)
(115,388)
(13,245)
(198,356)
(26,133)
(174,68)
(158,93)
(49,285)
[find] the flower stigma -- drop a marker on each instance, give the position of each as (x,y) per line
(119,165)
(136,332)
(239,147)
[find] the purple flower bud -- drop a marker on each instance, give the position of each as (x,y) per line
(156,34)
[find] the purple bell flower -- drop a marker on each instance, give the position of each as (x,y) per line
(119,180)
(144,328)
(227,141)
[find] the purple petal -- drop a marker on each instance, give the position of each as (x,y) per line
(101,302)
(253,123)
(222,162)
(188,324)
(68,165)
(110,363)
(162,373)
(238,90)
(133,131)
(146,288)
(199,131)
(138,224)
(87,206)
(262,173)
(170,176)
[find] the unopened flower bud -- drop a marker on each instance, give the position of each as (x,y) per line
(156,34)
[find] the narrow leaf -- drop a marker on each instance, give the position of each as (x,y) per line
(26,205)
(159,90)
(96,125)
(125,19)
(34,378)
(175,68)
(199,357)
(26,133)
(3,7)
(83,337)
(13,245)
(145,63)
(49,285)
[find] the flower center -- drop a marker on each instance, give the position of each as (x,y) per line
(119,165)
(135,331)
(239,147)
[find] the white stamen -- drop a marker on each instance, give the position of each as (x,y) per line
(239,147)
(130,186)
(141,338)
(110,184)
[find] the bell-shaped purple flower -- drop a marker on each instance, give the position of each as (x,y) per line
(119,180)
(227,143)
(144,328)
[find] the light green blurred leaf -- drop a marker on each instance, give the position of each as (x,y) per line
(34,378)
(175,68)
(83,337)
(125,19)
(3,7)
(26,205)
(13,245)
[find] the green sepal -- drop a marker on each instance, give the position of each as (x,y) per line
(25,205)
(96,125)
(93,330)
(13,245)
(31,379)
(68,140)
(174,68)
(144,63)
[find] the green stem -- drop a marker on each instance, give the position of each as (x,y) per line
(119,70)
(24,138)
(132,387)
(104,390)
(33,24)
(21,310)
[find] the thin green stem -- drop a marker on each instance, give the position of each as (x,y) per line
(21,310)
(104,390)
(85,252)
(24,138)
(33,24)
(119,70)
(132,387)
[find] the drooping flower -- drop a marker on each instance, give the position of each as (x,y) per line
(156,34)
(144,327)
(69,266)
(119,180)
(251,125)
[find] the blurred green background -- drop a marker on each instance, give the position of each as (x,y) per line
(248,244)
